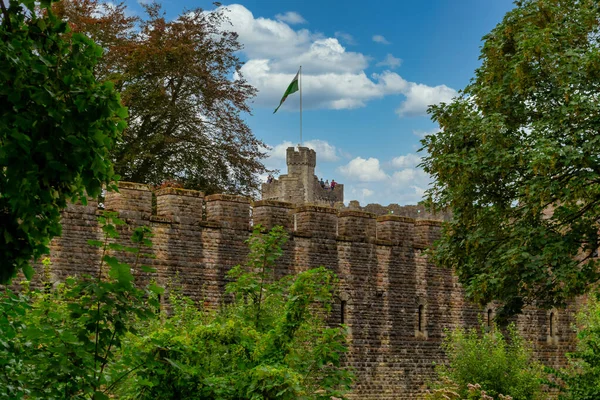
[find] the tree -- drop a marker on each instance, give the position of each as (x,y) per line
(57,126)
(186,96)
(517,160)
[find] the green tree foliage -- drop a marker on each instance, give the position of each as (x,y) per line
(582,378)
(269,342)
(63,344)
(186,96)
(57,125)
(481,361)
(517,160)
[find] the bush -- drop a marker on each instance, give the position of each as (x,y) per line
(100,337)
(582,377)
(270,342)
(63,343)
(484,363)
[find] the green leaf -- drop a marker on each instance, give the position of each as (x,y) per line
(148,269)
(28,271)
(100,396)
(154,288)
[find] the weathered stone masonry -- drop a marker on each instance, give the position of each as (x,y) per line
(396,304)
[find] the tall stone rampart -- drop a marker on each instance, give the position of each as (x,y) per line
(395,303)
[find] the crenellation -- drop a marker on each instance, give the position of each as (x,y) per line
(300,185)
(315,221)
(91,208)
(395,229)
(132,201)
(229,211)
(270,213)
(180,205)
(356,226)
(426,233)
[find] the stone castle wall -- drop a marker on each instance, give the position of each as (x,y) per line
(395,303)
(417,211)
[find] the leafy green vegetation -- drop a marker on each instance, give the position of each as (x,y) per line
(582,378)
(101,337)
(62,344)
(269,342)
(482,363)
(517,161)
(57,126)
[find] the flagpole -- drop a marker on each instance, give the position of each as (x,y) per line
(300,79)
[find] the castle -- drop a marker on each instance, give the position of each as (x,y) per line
(395,303)
(301,185)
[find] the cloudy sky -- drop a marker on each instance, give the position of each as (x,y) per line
(370,69)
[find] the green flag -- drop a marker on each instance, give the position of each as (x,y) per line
(293,88)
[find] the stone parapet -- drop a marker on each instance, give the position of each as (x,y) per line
(426,233)
(91,208)
(357,226)
(132,201)
(395,230)
(229,211)
(315,221)
(269,213)
(180,205)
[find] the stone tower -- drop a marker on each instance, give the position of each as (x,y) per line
(300,185)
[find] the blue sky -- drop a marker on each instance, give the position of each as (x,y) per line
(369,71)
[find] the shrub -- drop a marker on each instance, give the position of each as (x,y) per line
(582,377)
(62,344)
(482,363)
(100,337)
(271,341)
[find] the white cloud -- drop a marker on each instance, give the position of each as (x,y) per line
(279,151)
(362,194)
(406,161)
(419,97)
(291,17)
(390,61)
(412,177)
(332,77)
(367,181)
(325,151)
(345,38)
(363,170)
(380,39)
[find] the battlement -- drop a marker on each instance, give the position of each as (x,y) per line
(301,156)
(190,207)
(300,185)
(180,205)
